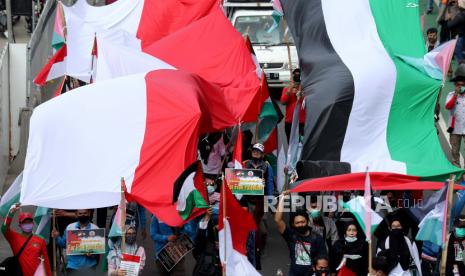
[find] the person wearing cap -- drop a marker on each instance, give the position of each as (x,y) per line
(455,248)
(455,103)
(34,251)
(256,203)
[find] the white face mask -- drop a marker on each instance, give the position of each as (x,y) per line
(210,189)
(351,239)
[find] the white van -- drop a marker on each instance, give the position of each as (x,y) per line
(254,19)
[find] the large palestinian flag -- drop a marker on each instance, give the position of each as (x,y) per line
(365,106)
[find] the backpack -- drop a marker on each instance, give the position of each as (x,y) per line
(11,266)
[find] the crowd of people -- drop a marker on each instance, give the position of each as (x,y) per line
(318,242)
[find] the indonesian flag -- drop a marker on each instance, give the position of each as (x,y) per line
(135,22)
(190,193)
(100,133)
(56,67)
(209,47)
(234,228)
(237,154)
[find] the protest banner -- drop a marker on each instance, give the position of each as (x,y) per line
(174,251)
(80,242)
(130,264)
(245,181)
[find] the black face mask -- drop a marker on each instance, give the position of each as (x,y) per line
(130,239)
(301,229)
(324,272)
(397,232)
(83,219)
(296,78)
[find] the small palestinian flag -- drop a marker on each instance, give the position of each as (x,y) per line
(190,193)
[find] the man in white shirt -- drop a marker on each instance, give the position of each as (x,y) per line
(455,103)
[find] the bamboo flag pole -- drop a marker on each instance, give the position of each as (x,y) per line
(370,257)
(450,194)
(286,40)
(54,244)
(123,216)
(223,189)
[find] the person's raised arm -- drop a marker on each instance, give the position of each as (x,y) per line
(278,216)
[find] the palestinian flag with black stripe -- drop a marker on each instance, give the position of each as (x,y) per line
(190,193)
(366,106)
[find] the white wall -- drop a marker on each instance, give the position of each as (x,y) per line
(4,114)
(18,82)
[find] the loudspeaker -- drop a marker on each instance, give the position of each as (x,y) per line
(314,169)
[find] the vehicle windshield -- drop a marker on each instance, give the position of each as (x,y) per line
(258,27)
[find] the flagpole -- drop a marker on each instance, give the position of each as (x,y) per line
(286,40)
(450,193)
(370,257)
(54,245)
(223,189)
(123,217)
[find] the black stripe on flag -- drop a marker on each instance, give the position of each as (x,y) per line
(327,82)
(182,178)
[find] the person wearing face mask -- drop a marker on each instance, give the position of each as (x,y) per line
(321,267)
(455,103)
(402,252)
(255,204)
(350,252)
(455,248)
(322,225)
(304,246)
(77,263)
(35,247)
(291,96)
(115,254)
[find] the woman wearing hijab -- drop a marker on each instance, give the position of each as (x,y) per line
(350,252)
(455,248)
(402,252)
(115,254)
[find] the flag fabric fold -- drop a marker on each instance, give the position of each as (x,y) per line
(436,62)
(58,37)
(42,218)
(11,196)
(233,230)
(432,227)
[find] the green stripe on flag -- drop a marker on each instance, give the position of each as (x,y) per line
(268,119)
(411,135)
(357,207)
(5,207)
(194,200)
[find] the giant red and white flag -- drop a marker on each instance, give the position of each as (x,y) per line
(234,228)
(131,22)
(142,127)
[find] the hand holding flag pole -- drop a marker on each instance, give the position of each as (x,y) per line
(123,216)
(223,195)
(445,229)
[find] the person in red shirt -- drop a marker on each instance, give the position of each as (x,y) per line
(36,248)
(289,98)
